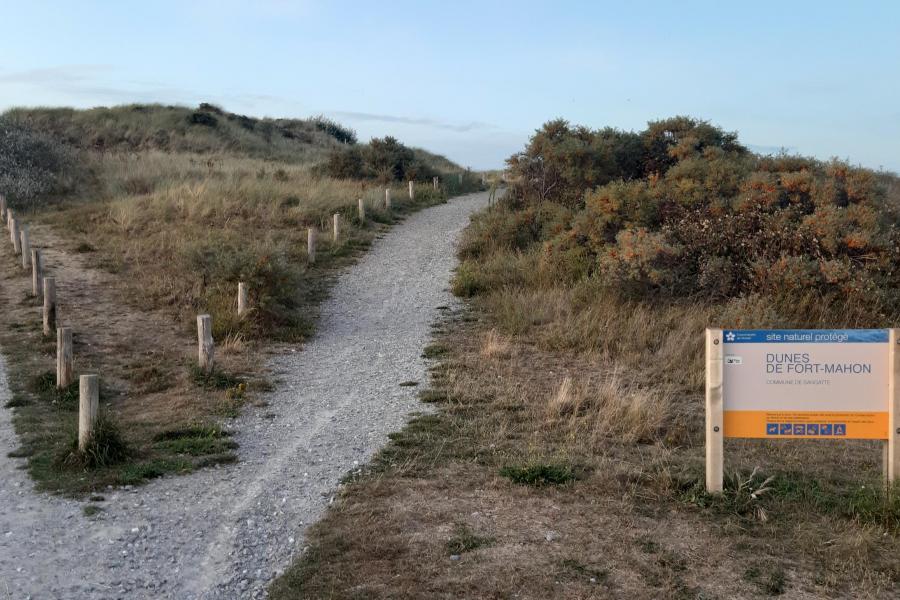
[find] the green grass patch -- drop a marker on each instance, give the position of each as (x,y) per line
(770,579)
(106,447)
(756,496)
(465,540)
(91,510)
(141,472)
(435,350)
(199,440)
(433,396)
(539,475)
(215,379)
(43,385)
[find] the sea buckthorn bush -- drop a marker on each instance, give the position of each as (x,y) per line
(682,209)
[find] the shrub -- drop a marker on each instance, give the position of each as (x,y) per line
(202,118)
(345,135)
(34,165)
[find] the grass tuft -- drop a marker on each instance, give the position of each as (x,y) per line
(539,475)
(106,447)
(465,540)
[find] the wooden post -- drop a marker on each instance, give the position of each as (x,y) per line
(892,445)
(311,235)
(434,182)
(242,298)
(88,408)
(26,247)
(205,347)
(412,191)
(2,206)
(715,473)
(49,305)
(14,234)
(387,199)
(36,274)
(460,179)
(336,227)
(362,211)
(9,220)
(65,370)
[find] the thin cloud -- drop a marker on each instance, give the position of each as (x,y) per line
(457,127)
(66,74)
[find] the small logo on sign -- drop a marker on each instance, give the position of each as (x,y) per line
(729,337)
(733,360)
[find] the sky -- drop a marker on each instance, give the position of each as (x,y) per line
(473,80)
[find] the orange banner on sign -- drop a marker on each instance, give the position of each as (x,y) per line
(806,425)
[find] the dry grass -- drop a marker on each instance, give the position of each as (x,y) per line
(634,523)
(552,376)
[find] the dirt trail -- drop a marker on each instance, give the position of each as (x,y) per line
(224,532)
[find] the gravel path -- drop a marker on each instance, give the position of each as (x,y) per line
(226,532)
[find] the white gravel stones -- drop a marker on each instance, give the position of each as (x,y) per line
(221,532)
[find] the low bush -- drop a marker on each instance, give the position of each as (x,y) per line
(34,165)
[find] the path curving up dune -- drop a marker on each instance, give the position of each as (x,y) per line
(225,532)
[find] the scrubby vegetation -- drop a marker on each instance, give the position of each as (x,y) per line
(386,160)
(34,165)
(207,129)
(590,285)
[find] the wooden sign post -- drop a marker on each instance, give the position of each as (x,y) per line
(715,472)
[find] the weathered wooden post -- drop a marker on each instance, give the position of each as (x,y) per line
(460,179)
(9,219)
(65,371)
(892,445)
(49,305)
(387,199)
(88,408)
(715,472)
(14,234)
(2,206)
(205,348)
(412,191)
(434,182)
(362,211)
(311,236)
(336,227)
(242,298)
(26,247)
(36,274)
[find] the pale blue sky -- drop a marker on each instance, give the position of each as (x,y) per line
(474,79)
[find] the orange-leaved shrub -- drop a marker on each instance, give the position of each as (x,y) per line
(695,213)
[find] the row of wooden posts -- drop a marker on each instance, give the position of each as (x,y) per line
(45,288)
(89,384)
(205,343)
